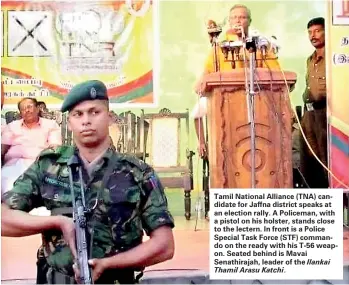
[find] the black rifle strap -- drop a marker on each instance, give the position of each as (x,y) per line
(111,164)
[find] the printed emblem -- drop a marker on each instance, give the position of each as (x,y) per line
(93,93)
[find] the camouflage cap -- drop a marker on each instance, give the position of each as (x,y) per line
(88,90)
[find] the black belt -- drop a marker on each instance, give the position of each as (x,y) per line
(316,105)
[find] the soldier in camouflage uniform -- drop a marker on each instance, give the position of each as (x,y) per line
(124,194)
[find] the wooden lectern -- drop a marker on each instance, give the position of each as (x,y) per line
(229,129)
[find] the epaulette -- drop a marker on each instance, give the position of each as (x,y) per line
(148,184)
(54,151)
(135,161)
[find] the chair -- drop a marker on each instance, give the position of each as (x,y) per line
(115,130)
(134,133)
(206,184)
(67,135)
(169,153)
(11,116)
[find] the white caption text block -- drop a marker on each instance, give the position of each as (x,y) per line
(276,234)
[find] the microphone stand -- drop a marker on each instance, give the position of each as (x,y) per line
(251,47)
(215,61)
(214,31)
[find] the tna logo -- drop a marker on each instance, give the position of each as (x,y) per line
(340,12)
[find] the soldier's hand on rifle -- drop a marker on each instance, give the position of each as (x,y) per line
(98,266)
(68,229)
(76,272)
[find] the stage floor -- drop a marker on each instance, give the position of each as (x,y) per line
(18,255)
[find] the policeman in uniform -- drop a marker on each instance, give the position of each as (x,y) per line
(314,121)
(122,193)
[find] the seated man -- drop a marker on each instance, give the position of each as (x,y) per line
(22,140)
(42,107)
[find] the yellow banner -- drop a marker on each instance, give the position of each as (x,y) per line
(337,50)
(48,47)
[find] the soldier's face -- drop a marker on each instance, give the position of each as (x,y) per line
(89,121)
(316,35)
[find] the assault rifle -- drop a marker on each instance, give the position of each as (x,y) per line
(80,221)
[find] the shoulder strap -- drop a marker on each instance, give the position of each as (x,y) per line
(108,172)
(106,176)
(105,179)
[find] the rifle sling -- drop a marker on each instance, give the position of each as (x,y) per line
(105,179)
(69,210)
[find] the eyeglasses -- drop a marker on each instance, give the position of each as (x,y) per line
(29,107)
(238,18)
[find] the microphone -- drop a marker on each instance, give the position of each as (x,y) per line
(235,48)
(213,29)
(234,44)
(225,49)
(251,44)
(263,45)
(274,45)
(243,36)
(231,46)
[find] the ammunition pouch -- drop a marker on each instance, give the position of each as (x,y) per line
(110,276)
(47,275)
(55,277)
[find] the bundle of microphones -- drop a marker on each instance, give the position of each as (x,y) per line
(252,42)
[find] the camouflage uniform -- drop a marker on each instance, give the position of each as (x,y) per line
(132,201)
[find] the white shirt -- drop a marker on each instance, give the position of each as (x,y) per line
(200,108)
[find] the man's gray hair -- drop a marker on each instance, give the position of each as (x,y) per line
(244,7)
